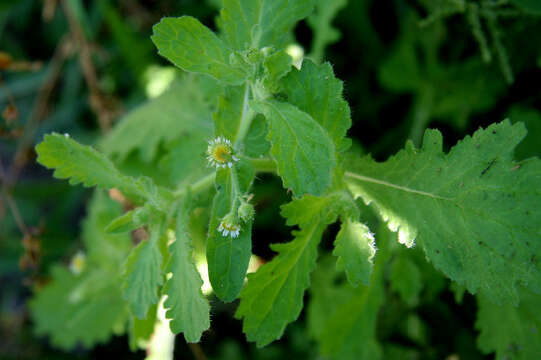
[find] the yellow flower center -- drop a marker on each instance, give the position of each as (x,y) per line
(221,153)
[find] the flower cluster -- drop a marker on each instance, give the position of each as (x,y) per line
(220,153)
(229,228)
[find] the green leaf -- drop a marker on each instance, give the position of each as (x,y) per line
(273,296)
(405,279)
(255,142)
(474,211)
(143,273)
(129,221)
(355,248)
(82,164)
(259,23)
(321,23)
(301,148)
(530,6)
(315,90)
(342,318)
(187,307)
(181,109)
(513,333)
(78,163)
(228,257)
(193,47)
(84,309)
(276,66)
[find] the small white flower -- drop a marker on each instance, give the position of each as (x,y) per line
(227,228)
(77,263)
(220,153)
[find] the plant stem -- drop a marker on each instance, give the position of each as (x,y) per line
(263,165)
(245,117)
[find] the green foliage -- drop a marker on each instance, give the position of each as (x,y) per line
(187,170)
(143,273)
(259,23)
(193,47)
(315,90)
(85,306)
(321,23)
(183,109)
(302,149)
(228,257)
(273,296)
(510,332)
(355,249)
(473,210)
(530,6)
(188,308)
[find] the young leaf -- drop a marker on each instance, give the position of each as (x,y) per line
(511,332)
(315,90)
(474,211)
(193,47)
(228,257)
(273,296)
(129,221)
(187,307)
(276,67)
(260,23)
(300,146)
(143,273)
(355,248)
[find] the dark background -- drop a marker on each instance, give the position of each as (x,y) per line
(45,85)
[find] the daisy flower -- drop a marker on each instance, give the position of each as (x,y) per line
(229,228)
(220,153)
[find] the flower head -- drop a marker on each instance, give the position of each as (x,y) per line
(220,153)
(228,227)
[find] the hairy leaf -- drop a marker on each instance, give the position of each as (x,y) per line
(300,146)
(315,90)
(474,211)
(143,273)
(355,248)
(82,164)
(513,333)
(260,23)
(187,307)
(193,47)
(273,296)
(228,257)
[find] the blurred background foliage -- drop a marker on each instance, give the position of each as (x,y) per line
(82,67)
